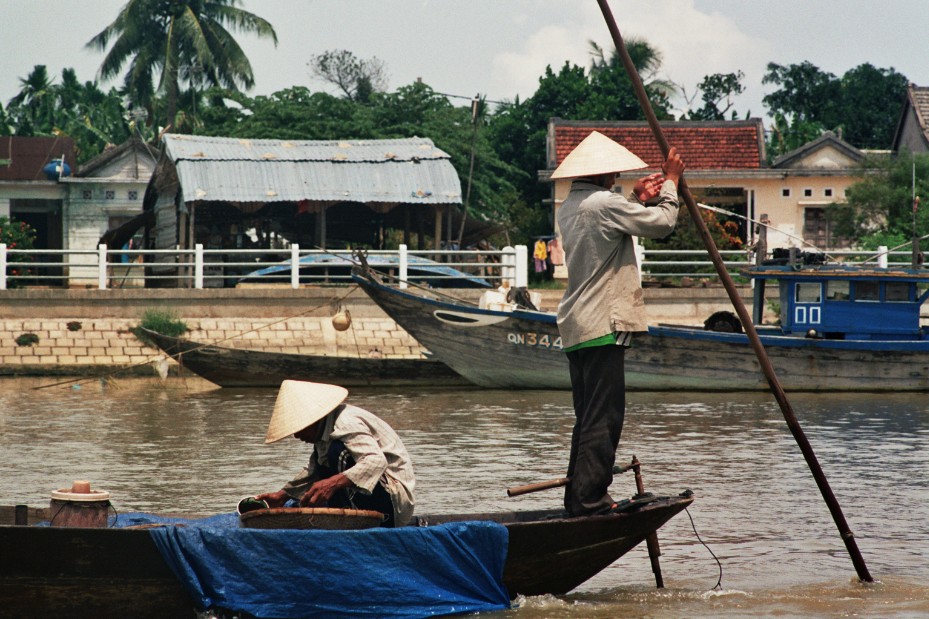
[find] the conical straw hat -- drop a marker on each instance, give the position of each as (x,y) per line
(299,405)
(597,154)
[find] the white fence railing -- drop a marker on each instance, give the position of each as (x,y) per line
(217,268)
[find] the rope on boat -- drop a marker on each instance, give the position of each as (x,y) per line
(719,581)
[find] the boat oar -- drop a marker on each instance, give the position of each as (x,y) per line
(542,485)
(563,481)
(764,362)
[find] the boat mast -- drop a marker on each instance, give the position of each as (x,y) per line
(916,253)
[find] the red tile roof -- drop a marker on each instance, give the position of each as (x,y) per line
(22,158)
(723,145)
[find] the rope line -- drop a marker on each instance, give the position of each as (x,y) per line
(719,581)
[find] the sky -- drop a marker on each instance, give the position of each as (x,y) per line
(498,49)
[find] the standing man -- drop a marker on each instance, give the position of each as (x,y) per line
(358,460)
(603,304)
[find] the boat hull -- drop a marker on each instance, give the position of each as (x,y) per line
(697,360)
(234,367)
(523,350)
(495,349)
(52,572)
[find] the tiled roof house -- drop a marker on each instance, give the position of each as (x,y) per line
(727,168)
(913,129)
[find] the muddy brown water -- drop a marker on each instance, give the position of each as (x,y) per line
(183,445)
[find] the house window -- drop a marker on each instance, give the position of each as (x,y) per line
(785,192)
(897,291)
(867,291)
(837,290)
(87,194)
(827,192)
(807,193)
(110,194)
(808,292)
(133,194)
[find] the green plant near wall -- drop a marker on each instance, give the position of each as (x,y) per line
(27,339)
(161,321)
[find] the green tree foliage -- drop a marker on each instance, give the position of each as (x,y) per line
(879,206)
(90,117)
(862,106)
(356,78)
(518,130)
(174,39)
(717,92)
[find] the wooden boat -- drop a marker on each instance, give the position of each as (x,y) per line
(236,367)
(111,572)
(842,328)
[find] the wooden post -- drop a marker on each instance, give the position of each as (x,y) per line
(654,551)
(761,250)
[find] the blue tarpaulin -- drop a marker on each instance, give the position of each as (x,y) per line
(399,573)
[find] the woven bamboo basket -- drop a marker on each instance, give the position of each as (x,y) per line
(329,518)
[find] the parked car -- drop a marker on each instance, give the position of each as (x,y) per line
(336,267)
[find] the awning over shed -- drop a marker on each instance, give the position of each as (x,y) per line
(401,171)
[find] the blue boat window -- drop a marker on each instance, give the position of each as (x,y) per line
(897,291)
(867,291)
(808,292)
(837,290)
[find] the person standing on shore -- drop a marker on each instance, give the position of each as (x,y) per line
(603,304)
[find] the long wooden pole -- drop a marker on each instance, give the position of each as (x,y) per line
(766,367)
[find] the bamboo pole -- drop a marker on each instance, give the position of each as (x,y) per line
(768,370)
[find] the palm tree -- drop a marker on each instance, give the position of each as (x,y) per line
(167,37)
(33,107)
(608,77)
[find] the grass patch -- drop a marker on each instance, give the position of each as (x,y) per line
(161,321)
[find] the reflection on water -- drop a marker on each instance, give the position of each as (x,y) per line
(185,446)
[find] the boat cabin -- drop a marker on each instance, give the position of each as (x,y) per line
(848,302)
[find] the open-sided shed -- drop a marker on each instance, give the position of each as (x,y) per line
(234,193)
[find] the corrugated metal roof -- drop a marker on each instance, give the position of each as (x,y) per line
(409,170)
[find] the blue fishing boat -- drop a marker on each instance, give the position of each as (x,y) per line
(841,328)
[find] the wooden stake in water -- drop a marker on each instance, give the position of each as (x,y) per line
(768,370)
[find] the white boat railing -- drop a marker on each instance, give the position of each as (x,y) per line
(200,267)
(665,263)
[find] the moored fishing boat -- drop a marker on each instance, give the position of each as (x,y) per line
(133,571)
(240,367)
(842,328)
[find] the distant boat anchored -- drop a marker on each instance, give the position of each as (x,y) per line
(240,367)
(842,328)
(337,266)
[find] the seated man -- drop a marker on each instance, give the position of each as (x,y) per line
(358,461)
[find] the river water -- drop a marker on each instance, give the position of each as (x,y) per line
(184,446)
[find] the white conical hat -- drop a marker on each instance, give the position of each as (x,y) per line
(299,405)
(597,154)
